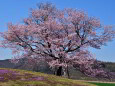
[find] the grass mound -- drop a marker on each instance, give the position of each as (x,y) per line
(14,77)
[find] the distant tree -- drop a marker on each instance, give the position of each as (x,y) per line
(59,37)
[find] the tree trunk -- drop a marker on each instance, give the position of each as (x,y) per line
(55,71)
(59,71)
(68,72)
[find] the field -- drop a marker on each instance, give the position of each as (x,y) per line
(103,84)
(14,77)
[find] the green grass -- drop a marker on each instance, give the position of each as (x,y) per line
(103,84)
(48,80)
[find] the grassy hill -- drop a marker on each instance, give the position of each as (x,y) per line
(14,77)
(44,68)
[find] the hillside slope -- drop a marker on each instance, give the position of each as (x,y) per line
(13,77)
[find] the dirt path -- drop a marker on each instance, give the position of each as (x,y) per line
(96,81)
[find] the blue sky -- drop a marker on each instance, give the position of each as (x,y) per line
(15,10)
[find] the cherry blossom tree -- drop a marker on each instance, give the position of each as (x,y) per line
(59,37)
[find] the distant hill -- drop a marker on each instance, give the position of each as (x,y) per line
(6,64)
(22,64)
(110,66)
(44,68)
